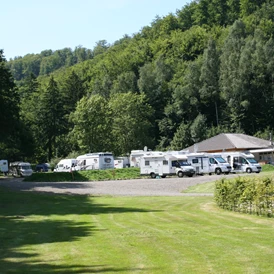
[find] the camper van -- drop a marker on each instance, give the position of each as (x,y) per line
(206,163)
(21,169)
(100,160)
(162,164)
(4,166)
(242,162)
(66,165)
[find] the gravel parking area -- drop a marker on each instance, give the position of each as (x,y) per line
(138,187)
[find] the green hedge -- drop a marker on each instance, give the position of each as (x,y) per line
(246,194)
(88,175)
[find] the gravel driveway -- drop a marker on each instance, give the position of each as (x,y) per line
(136,187)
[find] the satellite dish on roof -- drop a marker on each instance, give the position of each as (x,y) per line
(145,148)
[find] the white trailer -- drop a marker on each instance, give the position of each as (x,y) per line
(4,166)
(66,165)
(100,160)
(21,169)
(162,164)
(242,162)
(206,163)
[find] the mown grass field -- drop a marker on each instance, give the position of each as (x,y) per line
(42,233)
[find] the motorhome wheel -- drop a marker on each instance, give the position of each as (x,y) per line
(180,174)
(153,175)
(248,170)
(218,171)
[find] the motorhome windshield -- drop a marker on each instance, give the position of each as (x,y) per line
(184,163)
(25,167)
(220,160)
(251,160)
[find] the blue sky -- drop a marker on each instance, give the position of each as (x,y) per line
(31,26)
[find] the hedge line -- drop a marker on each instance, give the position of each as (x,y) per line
(246,195)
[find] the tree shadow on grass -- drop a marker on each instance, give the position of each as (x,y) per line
(20,227)
(42,268)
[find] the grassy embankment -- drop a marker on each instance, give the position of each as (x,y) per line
(89,175)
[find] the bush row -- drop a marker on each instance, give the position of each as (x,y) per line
(246,194)
(88,175)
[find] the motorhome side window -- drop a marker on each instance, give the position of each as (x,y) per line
(212,161)
(146,163)
(243,160)
(195,161)
(165,162)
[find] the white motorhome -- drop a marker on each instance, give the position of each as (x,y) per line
(100,160)
(162,164)
(206,163)
(4,166)
(242,162)
(121,162)
(66,165)
(21,169)
(135,157)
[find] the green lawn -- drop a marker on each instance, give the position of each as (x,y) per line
(42,233)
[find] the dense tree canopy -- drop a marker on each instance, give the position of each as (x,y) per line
(188,76)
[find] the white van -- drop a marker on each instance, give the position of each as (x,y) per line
(66,165)
(21,169)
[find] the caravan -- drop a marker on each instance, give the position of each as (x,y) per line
(100,160)
(242,162)
(162,164)
(206,163)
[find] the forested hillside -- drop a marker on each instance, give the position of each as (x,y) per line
(188,76)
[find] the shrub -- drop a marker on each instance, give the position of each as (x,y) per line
(246,194)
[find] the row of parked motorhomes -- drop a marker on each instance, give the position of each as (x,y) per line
(152,163)
(183,163)
(162,164)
